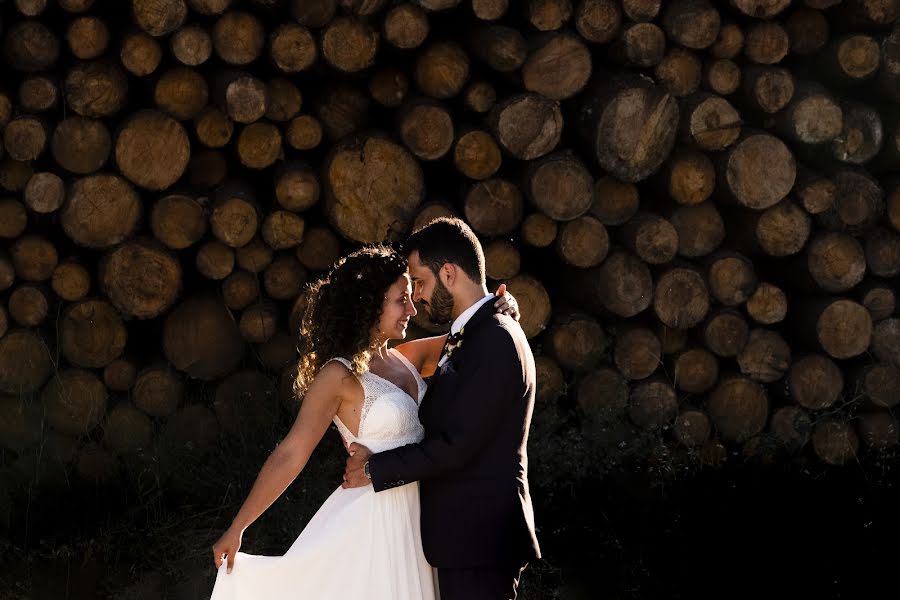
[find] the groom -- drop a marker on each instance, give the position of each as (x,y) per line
(477,518)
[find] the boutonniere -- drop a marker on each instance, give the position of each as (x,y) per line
(454,342)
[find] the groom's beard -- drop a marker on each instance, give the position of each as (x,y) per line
(440,309)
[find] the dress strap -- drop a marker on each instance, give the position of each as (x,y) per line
(421,386)
(341,360)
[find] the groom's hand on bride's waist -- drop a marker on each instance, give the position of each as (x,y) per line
(355,472)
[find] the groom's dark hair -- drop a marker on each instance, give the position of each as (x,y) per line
(448,240)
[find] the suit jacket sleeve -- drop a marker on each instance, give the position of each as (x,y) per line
(485,389)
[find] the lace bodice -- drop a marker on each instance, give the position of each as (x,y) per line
(390,417)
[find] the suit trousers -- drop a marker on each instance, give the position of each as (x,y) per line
(482,583)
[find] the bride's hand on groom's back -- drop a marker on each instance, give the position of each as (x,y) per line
(227,546)
(506,303)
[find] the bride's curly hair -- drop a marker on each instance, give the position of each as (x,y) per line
(342,307)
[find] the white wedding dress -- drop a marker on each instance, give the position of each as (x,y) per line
(359,544)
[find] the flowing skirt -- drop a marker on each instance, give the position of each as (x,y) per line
(358,545)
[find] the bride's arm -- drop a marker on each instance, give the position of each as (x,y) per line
(320,404)
(423,353)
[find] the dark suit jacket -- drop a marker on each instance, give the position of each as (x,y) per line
(473,465)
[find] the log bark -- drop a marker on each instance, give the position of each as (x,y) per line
(238,37)
(406,26)
(541,72)
(700,229)
(696,371)
(259,145)
(807,29)
(283,279)
(598,21)
(681,299)
(615,202)
(560,186)
(45,193)
(725,332)
(240,289)
(349,45)
(25,362)
(441,70)
(120,374)
(214,260)
(742,163)
(101,211)
(303,133)
(234,218)
(31,47)
(141,278)
(583,242)
(639,45)
(879,383)
(364,211)
(768,304)
(637,353)
(296,187)
(768,89)
(254,256)
(527,126)
(96,89)
(476,154)
(653,404)
(201,339)
(502,260)
(861,137)
(729,41)
(427,129)
(539,230)
(71,281)
(140,54)
(631,144)
(28,304)
(548,15)
(766,356)
(602,394)
(342,110)
(292,48)
(534,303)
(494,207)
(835,442)
(13,218)
(710,122)
(34,258)
(74,401)
(883,252)
(692,23)
(92,334)
(766,43)
(791,426)
(692,428)
(738,408)
(182,92)
(651,237)
(127,429)
(319,249)
(679,72)
(38,94)
(191,46)
(24,138)
(178,221)
(152,150)
(87,37)
(815,382)
(389,87)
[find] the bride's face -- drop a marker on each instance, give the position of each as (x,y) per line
(396,310)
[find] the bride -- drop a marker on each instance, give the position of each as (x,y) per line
(359,543)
